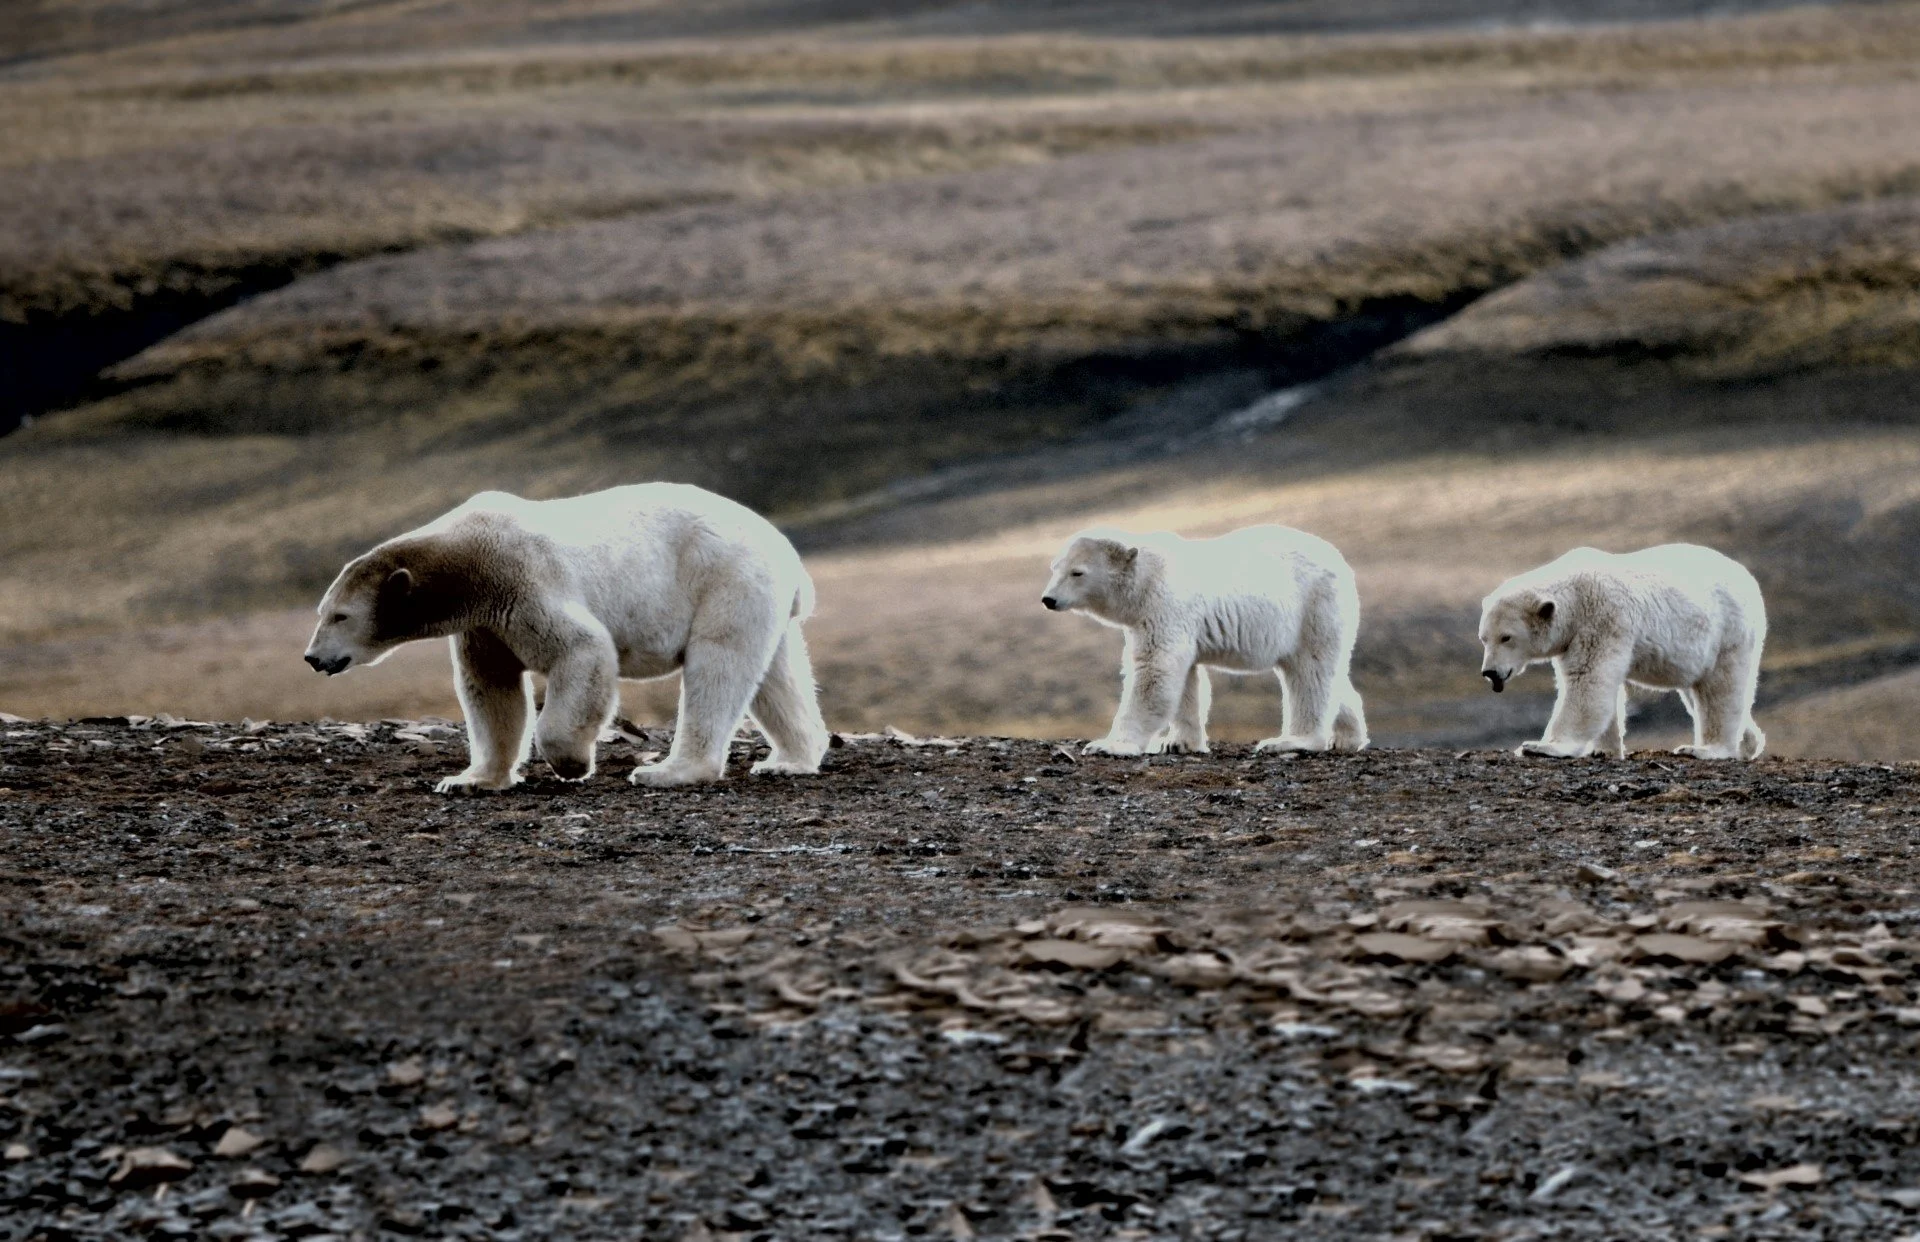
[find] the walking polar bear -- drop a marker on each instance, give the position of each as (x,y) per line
(1266,597)
(1674,617)
(630,582)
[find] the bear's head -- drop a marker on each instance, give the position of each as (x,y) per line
(1094,575)
(1518,629)
(392,595)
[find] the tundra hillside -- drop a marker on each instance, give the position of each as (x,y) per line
(935,292)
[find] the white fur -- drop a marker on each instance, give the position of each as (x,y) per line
(1264,598)
(1676,617)
(630,582)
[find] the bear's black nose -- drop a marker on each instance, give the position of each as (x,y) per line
(1053,605)
(329,667)
(1493,675)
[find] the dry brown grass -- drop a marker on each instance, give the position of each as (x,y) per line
(1299,215)
(1749,298)
(738,72)
(97,218)
(381,128)
(1877,721)
(811,348)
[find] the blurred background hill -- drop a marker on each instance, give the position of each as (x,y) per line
(1457,285)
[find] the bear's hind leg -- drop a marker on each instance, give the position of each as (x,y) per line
(1349,718)
(496,700)
(1746,686)
(1720,723)
(1307,707)
(1618,729)
(1692,704)
(1187,735)
(1722,704)
(787,709)
(724,664)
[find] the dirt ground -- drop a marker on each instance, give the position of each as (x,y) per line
(259,981)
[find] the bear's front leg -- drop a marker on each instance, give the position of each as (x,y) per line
(491,683)
(1187,735)
(583,689)
(1153,679)
(1583,711)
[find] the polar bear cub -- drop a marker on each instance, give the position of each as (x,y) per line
(1676,617)
(630,582)
(1263,598)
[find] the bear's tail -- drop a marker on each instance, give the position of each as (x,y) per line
(803,599)
(1752,741)
(1349,719)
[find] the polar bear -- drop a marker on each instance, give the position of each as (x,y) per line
(630,582)
(1266,597)
(1675,617)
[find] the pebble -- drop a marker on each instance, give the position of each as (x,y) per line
(148,1166)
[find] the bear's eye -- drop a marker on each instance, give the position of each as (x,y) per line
(337,618)
(1078,573)
(1506,638)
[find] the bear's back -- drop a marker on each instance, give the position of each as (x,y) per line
(1701,573)
(1675,571)
(669,513)
(1254,560)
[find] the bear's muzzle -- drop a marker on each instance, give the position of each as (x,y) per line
(336,665)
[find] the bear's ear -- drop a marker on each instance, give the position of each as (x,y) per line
(398,586)
(394,606)
(408,604)
(1544,610)
(1125,555)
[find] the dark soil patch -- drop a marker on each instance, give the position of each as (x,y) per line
(52,358)
(993,990)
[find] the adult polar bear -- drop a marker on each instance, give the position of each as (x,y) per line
(629,582)
(1675,617)
(1263,598)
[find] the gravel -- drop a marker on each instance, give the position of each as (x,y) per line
(257,981)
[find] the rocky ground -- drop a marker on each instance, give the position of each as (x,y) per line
(259,981)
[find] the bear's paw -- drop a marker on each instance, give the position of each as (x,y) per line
(475,782)
(785,767)
(1294,744)
(671,775)
(1549,750)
